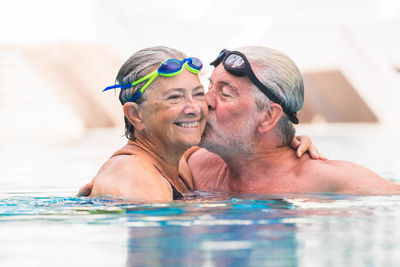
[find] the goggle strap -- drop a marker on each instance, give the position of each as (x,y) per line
(132,84)
(219,58)
(148,83)
(269,93)
(148,76)
(135,97)
(261,86)
(126,86)
(144,87)
(112,87)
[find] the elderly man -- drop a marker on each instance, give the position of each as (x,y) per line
(253,98)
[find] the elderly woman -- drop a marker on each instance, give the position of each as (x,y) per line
(165,114)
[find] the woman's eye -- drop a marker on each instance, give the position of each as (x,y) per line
(199,94)
(173,97)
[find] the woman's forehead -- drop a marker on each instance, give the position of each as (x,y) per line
(185,80)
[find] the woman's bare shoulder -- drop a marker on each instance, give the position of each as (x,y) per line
(131,176)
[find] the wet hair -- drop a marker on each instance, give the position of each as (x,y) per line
(137,66)
(278,72)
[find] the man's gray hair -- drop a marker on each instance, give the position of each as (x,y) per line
(137,66)
(278,72)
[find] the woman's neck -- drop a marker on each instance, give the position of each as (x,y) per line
(168,154)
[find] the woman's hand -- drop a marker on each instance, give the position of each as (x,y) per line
(86,190)
(302,143)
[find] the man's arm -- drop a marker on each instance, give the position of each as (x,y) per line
(351,178)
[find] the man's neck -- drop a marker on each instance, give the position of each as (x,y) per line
(262,168)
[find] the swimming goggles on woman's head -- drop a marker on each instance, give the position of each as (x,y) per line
(237,64)
(169,68)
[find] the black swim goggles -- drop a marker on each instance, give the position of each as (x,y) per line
(237,64)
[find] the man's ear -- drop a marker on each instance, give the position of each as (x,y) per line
(133,113)
(270,117)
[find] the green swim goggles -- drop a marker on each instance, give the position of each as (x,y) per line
(168,68)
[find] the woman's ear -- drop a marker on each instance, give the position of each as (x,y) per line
(270,117)
(133,113)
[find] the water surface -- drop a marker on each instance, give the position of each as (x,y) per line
(43,223)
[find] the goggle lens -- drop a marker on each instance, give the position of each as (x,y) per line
(170,66)
(195,63)
(236,64)
(235,61)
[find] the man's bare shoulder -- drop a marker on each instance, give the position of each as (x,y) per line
(132,177)
(207,169)
(335,169)
(203,160)
(348,177)
(202,155)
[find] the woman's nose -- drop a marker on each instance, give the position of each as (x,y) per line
(192,106)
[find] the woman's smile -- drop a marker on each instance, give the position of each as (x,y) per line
(188,124)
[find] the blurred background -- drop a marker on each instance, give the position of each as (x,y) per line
(56,56)
(57,128)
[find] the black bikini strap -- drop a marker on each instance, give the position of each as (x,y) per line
(176,195)
(184,181)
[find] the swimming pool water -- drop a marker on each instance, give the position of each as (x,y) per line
(42,223)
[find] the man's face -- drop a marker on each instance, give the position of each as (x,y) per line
(233,114)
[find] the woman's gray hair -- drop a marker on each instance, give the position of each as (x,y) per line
(137,66)
(278,72)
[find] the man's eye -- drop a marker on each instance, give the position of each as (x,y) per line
(226,92)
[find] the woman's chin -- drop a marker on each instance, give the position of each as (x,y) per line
(189,142)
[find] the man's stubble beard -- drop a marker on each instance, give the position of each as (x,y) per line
(229,145)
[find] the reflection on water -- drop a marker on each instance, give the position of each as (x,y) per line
(229,233)
(302,229)
(187,233)
(41,219)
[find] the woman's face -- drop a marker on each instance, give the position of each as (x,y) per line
(175,111)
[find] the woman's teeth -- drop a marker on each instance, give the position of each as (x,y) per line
(188,124)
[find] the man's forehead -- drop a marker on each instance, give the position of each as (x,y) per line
(221,76)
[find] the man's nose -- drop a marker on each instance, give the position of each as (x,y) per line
(210,98)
